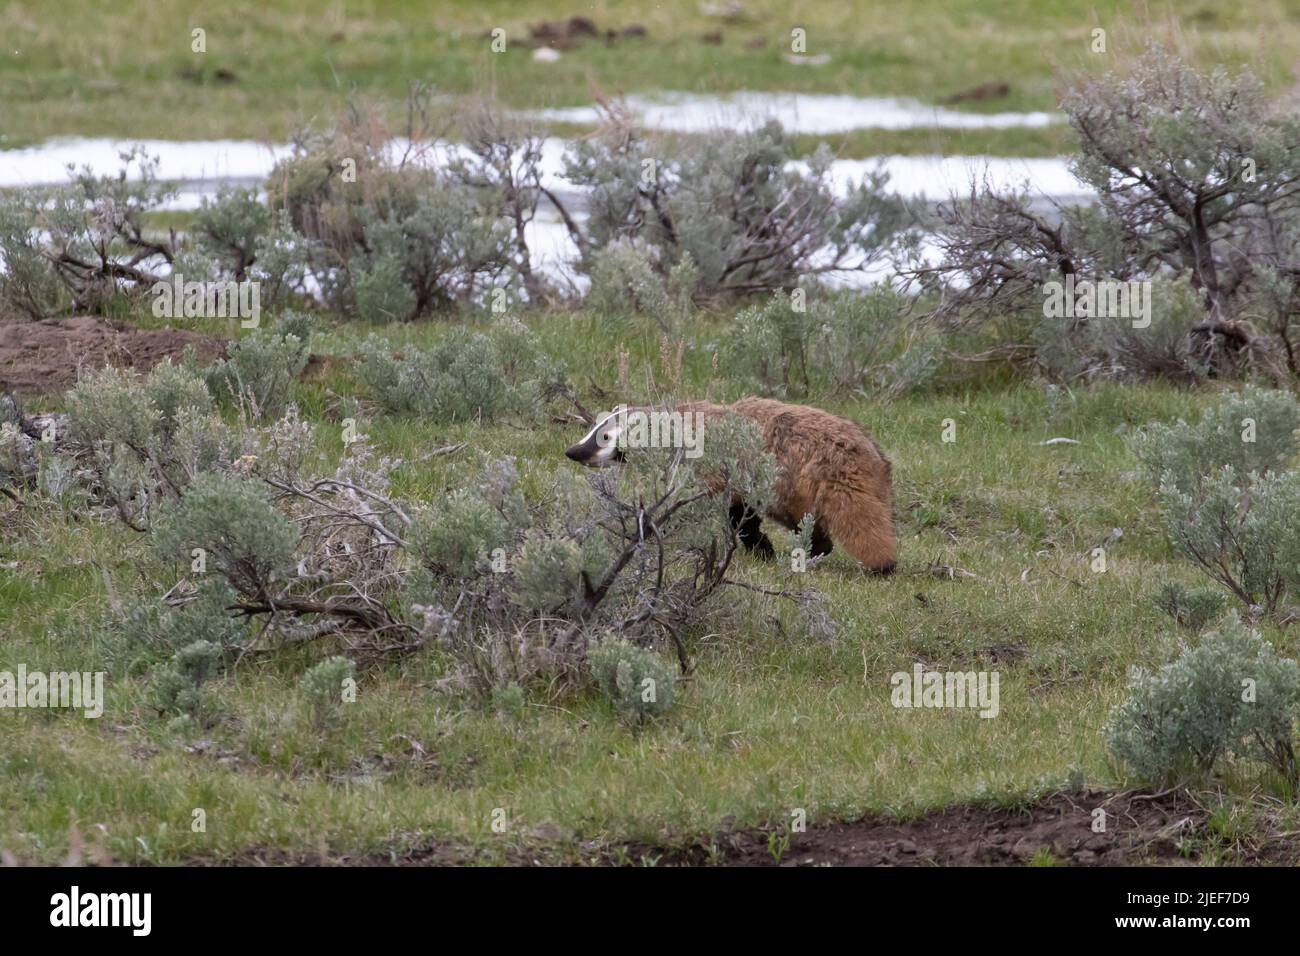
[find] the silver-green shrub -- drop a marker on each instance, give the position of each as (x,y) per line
(459,536)
(796,346)
(1245,535)
(547,571)
(1253,430)
(1229,696)
(380,293)
(178,687)
(237,531)
(229,227)
(28,283)
(1193,608)
(638,682)
(84,245)
(259,372)
(750,215)
(624,280)
(465,376)
(111,406)
(144,439)
(322,687)
(1230,504)
(1195,171)
(384,234)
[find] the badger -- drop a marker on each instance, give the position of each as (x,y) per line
(828,467)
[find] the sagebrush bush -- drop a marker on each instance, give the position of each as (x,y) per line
(796,347)
(410,237)
(1165,145)
(144,439)
(624,280)
(1194,172)
(259,372)
(229,227)
(1229,504)
(1229,696)
(178,687)
(1245,535)
(1254,430)
(380,293)
(461,534)
(300,325)
(28,283)
(323,688)
(1170,345)
(82,246)
(750,214)
(111,406)
(147,631)
(174,390)
(638,682)
(281,262)
(18,462)
(1193,608)
(547,572)
(466,376)
(238,532)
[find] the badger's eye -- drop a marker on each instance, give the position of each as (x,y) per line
(605,437)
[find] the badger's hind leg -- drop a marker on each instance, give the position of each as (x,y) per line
(748,525)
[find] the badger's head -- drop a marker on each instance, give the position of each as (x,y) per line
(600,446)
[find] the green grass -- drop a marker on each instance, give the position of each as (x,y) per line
(771,721)
(126,69)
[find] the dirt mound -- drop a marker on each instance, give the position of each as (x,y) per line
(42,357)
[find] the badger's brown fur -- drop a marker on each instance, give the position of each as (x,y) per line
(829,468)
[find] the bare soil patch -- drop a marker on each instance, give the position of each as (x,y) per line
(1140,829)
(43,357)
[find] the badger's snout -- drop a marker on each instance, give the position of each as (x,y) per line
(574,453)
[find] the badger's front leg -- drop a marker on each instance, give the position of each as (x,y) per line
(821,541)
(748,525)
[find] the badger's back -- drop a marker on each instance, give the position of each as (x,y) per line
(823,458)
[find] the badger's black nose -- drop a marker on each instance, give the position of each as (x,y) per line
(575,453)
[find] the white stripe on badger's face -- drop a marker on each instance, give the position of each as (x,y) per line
(599,446)
(603,438)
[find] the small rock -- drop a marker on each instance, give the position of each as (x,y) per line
(544,54)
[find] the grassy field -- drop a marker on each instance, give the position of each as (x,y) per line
(126,69)
(771,722)
(997,530)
